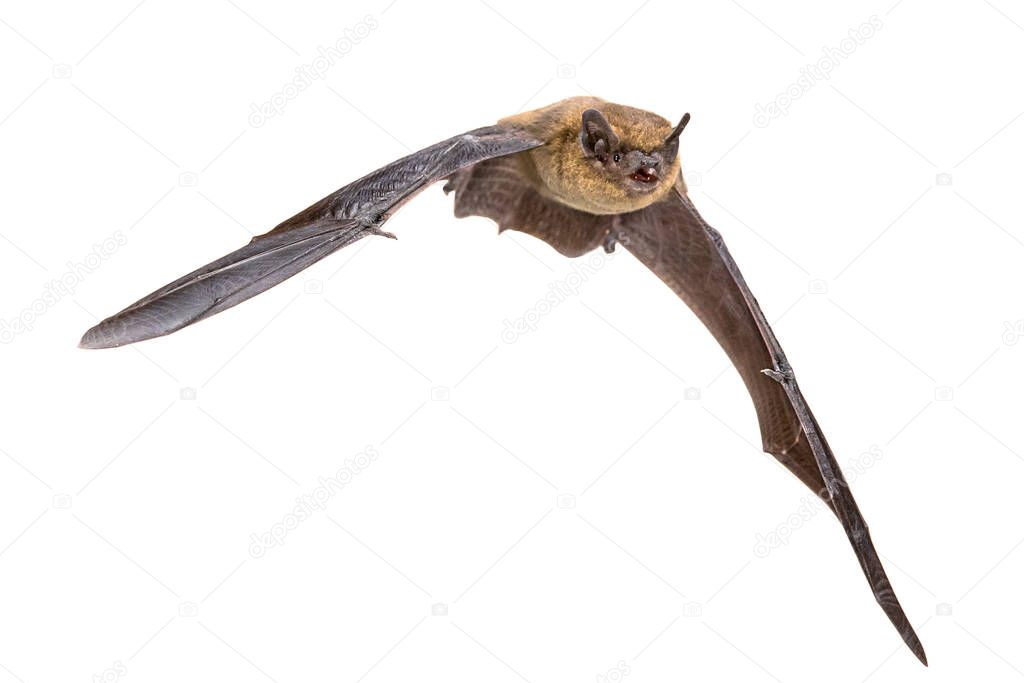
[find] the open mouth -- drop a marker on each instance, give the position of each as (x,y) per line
(644,176)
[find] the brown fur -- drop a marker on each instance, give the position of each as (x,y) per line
(559,170)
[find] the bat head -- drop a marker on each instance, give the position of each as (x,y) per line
(634,155)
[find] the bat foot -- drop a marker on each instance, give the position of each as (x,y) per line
(610,240)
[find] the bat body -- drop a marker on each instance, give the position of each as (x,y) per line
(579,174)
(558,170)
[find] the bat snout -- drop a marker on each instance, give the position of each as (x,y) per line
(647,172)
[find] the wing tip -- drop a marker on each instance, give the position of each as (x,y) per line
(114,332)
(912,641)
(890,605)
(97,338)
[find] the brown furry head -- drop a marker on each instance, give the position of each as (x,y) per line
(601,157)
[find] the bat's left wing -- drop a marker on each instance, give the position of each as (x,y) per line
(675,242)
(353,212)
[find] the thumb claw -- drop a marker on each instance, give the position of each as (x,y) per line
(779,377)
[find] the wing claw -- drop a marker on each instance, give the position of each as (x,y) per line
(779,377)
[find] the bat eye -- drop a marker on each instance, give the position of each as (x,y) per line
(616,157)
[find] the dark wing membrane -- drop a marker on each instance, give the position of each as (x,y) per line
(351,213)
(498,189)
(672,239)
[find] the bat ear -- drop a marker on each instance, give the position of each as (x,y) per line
(671,144)
(596,135)
(677,131)
(672,141)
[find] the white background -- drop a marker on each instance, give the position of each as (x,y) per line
(132,480)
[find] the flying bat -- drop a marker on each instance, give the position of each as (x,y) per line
(579,174)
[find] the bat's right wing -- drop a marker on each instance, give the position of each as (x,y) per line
(353,212)
(672,239)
